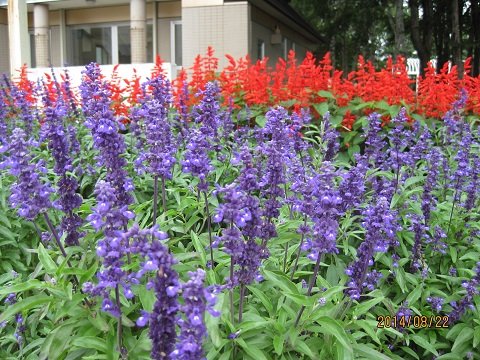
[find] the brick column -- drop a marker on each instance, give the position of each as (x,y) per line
(42,42)
(138,29)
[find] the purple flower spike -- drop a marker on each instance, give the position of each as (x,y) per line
(192,326)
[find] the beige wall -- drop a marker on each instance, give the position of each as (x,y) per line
(223,27)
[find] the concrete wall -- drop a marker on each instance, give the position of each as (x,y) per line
(224,27)
(263,26)
(167,12)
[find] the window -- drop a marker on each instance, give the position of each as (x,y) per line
(89,43)
(103,43)
(260,49)
(176,42)
(285,48)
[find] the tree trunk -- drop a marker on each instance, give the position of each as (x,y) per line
(475,37)
(456,39)
(399,28)
(421,32)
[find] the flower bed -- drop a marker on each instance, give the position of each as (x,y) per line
(170,226)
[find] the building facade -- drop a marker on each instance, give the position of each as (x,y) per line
(71,33)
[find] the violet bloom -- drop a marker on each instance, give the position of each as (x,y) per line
(418,229)
(25,109)
(29,194)
(330,138)
(241,212)
(59,145)
(3,119)
(196,160)
(428,200)
(453,119)
(192,327)
(437,242)
(157,259)
(104,128)
(436,303)
(462,159)
(207,112)
(374,141)
(160,148)
(325,213)
(380,224)
(183,115)
(275,144)
(471,289)
(352,186)
(472,186)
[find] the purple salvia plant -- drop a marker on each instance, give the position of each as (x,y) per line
(157,259)
(159,156)
(106,138)
(380,234)
(471,188)
(374,141)
(207,113)
(29,194)
(428,200)
(59,145)
(352,186)
(418,229)
(471,288)
(24,109)
(197,300)
(329,139)
(274,145)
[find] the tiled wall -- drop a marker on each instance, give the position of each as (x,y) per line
(224,27)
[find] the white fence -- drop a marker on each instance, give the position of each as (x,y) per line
(124,71)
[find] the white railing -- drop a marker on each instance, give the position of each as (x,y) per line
(124,71)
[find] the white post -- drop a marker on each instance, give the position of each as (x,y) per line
(42,43)
(138,25)
(63,38)
(18,38)
(155,29)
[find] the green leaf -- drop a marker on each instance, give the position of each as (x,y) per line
(261,120)
(279,279)
(465,336)
(147,298)
(332,327)
(199,247)
(278,344)
(369,353)
(46,260)
(326,94)
(321,108)
(263,298)
(415,295)
(363,307)
(420,341)
(91,342)
(7,233)
(27,285)
(23,305)
(60,341)
(251,350)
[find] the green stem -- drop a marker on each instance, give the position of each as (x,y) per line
(310,287)
(209,224)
